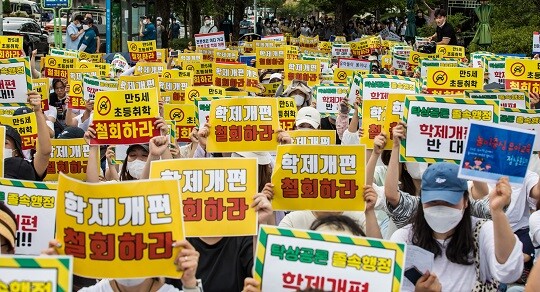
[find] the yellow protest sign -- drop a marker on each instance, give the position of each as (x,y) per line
(177,87)
(341,74)
(365,47)
(287,113)
(394,114)
(138,82)
(270,89)
(142,50)
(304,70)
(291,52)
(108,228)
(270,58)
(386,61)
(225,55)
(190,57)
(319,178)
(454,80)
(230,75)
(35,273)
(240,120)
(78,73)
(162,55)
(104,69)
(15,81)
(247,47)
(11,46)
(184,116)
(264,44)
(93,58)
(174,73)
(309,42)
(125,116)
(451,51)
(70,157)
(26,125)
(415,57)
(92,84)
(203,72)
(373,114)
(214,192)
(143,68)
(64,53)
(58,67)
(194,92)
(313,137)
(325,46)
(76,96)
(522,74)
(41,85)
(207,53)
(252,80)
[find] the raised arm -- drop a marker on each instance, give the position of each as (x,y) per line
(391,183)
(92,169)
(44,146)
(503,235)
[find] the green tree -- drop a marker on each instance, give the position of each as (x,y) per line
(6,6)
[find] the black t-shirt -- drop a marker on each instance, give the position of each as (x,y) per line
(175,30)
(447,31)
(224,265)
(226,27)
(96,30)
(58,104)
(326,125)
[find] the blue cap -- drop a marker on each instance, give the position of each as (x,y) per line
(440,182)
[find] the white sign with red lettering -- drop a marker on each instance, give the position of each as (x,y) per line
(214,40)
(92,84)
(275,37)
(34,207)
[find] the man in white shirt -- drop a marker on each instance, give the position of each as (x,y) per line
(73,33)
(207,27)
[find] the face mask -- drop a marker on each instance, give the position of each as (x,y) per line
(78,25)
(85,27)
(207,22)
(135,168)
(130,282)
(416,170)
(159,22)
(442,218)
(267,81)
(299,99)
(8,153)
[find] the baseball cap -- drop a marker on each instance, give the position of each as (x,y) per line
(16,137)
(22,110)
(18,168)
(276,76)
(263,158)
(144,146)
(298,85)
(308,115)
(88,21)
(159,19)
(71,133)
(440,182)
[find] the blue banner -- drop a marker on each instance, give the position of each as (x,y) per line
(56,4)
(493,151)
(247,60)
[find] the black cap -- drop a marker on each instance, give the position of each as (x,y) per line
(18,168)
(22,110)
(88,21)
(71,133)
(144,146)
(16,137)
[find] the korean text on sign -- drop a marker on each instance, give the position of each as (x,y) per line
(523,74)
(107,228)
(68,156)
(287,113)
(447,81)
(125,116)
(36,273)
(15,80)
(142,50)
(313,137)
(307,71)
(214,192)
(184,116)
(11,47)
(210,40)
(526,119)
(240,120)
(58,67)
(291,260)
(375,86)
(437,127)
(34,206)
(26,125)
(321,178)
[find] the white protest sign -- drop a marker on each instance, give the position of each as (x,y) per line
(341,50)
(15,80)
(275,37)
(379,86)
(439,62)
(354,64)
(400,62)
(536,43)
(92,84)
(509,98)
(495,70)
(329,97)
(527,119)
(35,209)
(214,40)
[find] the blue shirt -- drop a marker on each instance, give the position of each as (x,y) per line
(149,32)
(89,39)
(72,29)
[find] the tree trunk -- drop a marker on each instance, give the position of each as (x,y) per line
(239,8)
(194,17)
(340,20)
(162,9)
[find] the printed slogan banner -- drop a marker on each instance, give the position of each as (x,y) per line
(211,40)
(15,81)
(378,86)
(523,74)
(240,120)
(319,178)
(11,46)
(26,125)
(215,193)
(313,137)
(70,157)
(524,119)
(142,50)
(493,151)
(109,228)
(58,67)
(437,127)
(292,260)
(307,71)
(125,116)
(287,113)
(36,273)
(449,80)
(35,207)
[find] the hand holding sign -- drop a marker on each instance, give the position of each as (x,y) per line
(187,262)
(34,99)
(500,196)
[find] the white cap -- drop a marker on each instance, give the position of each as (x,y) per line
(308,115)
(263,158)
(276,76)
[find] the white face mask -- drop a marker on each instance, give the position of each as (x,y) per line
(85,27)
(135,168)
(158,22)
(207,22)
(266,81)
(443,218)
(130,282)
(79,25)
(416,169)
(299,99)
(8,153)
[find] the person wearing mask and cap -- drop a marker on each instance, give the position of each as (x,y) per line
(147,30)
(160,29)
(300,92)
(71,133)
(88,43)
(207,26)
(308,118)
(74,33)
(96,30)
(15,166)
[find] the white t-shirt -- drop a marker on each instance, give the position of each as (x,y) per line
(350,138)
(534,225)
(304,219)
(518,210)
(105,286)
(456,277)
